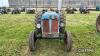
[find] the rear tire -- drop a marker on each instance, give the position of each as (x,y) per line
(32,40)
(68,41)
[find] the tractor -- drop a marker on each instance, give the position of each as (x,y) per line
(50,25)
(98,23)
(3,11)
(70,10)
(30,11)
(15,11)
(84,10)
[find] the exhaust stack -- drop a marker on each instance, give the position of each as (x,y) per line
(59,5)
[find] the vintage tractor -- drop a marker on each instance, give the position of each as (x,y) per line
(30,11)
(50,25)
(70,10)
(3,11)
(15,11)
(98,23)
(84,10)
(23,9)
(97,7)
(8,10)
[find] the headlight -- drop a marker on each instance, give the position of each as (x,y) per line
(61,24)
(38,26)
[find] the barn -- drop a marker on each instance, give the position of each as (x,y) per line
(52,3)
(46,3)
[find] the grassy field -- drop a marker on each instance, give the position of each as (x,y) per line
(14,31)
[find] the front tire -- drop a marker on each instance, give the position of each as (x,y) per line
(68,41)
(98,24)
(32,40)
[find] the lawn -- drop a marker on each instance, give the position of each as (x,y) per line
(14,31)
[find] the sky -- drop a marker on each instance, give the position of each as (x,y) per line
(4,3)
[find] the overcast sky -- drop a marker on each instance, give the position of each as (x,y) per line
(4,3)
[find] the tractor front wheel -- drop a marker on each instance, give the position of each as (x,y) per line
(32,40)
(98,24)
(68,41)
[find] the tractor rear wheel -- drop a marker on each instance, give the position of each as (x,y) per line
(98,23)
(68,41)
(32,40)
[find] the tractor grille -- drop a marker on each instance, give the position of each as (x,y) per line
(46,26)
(54,25)
(50,28)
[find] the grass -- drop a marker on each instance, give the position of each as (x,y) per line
(14,31)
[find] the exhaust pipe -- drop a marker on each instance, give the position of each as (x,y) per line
(59,5)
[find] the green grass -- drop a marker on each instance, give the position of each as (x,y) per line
(14,31)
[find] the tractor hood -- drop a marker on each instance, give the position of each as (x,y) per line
(50,15)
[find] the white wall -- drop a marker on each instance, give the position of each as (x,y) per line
(4,3)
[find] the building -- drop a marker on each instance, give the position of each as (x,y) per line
(4,3)
(52,3)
